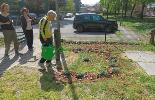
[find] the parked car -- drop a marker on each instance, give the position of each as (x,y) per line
(15,19)
(39,17)
(86,21)
(62,15)
(69,15)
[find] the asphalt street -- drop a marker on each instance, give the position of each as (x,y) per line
(68,33)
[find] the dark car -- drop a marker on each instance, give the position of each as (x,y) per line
(84,22)
(15,19)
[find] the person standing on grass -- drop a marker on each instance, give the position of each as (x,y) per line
(45,34)
(26,23)
(8,30)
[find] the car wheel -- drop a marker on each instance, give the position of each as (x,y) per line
(80,29)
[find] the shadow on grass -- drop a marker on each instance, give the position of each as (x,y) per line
(26,57)
(72,87)
(6,63)
(48,82)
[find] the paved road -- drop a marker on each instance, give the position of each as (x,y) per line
(68,33)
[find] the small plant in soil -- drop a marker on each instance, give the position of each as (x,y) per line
(67,73)
(113,70)
(102,74)
(80,75)
(86,60)
(113,61)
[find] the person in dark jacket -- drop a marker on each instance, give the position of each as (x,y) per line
(8,30)
(26,23)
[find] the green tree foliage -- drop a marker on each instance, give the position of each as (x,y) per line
(69,6)
(144,3)
(1,1)
(124,6)
(34,5)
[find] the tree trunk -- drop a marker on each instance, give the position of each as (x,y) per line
(133,8)
(122,8)
(122,11)
(115,11)
(142,11)
(108,11)
(126,8)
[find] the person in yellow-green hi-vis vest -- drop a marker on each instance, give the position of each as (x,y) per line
(45,35)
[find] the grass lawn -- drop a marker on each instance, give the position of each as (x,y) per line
(142,27)
(1,42)
(132,83)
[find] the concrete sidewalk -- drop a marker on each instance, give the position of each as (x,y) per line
(28,58)
(145,59)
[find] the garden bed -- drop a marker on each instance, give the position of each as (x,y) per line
(108,69)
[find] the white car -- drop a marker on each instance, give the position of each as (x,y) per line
(69,15)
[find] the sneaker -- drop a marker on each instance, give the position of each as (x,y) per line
(18,54)
(48,64)
(31,49)
(42,67)
(6,56)
(49,67)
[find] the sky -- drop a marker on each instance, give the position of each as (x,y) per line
(89,2)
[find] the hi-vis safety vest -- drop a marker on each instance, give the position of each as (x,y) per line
(45,28)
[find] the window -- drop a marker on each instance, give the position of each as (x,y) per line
(86,17)
(97,18)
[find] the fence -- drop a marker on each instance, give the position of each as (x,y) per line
(21,37)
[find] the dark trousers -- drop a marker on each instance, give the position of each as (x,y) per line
(29,38)
(9,36)
(49,41)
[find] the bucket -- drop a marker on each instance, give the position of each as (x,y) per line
(47,52)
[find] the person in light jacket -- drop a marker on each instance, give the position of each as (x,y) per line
(45,34)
